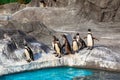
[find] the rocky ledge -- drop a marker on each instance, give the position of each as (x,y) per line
(98,58)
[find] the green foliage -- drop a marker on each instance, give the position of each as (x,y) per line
(10,1)
(7,1)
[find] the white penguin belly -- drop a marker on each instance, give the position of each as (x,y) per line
(89,40)
(77,38)
(27,54)
(75,46)
(41,5)
(57,48)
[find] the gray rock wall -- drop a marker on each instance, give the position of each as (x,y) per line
(98,10)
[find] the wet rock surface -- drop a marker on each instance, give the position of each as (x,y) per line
(98,58)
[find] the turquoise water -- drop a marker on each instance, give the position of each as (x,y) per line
(59,73)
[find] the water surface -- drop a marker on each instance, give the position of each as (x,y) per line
(59,73)
(63,73)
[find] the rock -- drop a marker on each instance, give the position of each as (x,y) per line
(34,3)
(51,17)
(117,16)
(100,10)
(97,10)
(19,32)
(98,58)
(35,28)
(50,3)
(9,8)
(103,10)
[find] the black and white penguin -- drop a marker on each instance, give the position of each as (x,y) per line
(57,46)
(90,40)
(75,45)
(80,41)
(28,53)
(66,45)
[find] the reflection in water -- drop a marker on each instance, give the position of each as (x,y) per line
(100,75)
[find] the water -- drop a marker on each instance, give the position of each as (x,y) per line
(59,73)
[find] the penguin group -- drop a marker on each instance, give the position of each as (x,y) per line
(77,44)
(67,48)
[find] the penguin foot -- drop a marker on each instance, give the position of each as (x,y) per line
(91,48)
(66,53)
(88,48)
(62,54)
(75,52)
(72,52)
(59,56)
(28,60)
(56,55)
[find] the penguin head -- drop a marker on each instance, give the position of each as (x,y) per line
(25,45)
(57,41)
(77,34)
(74,38)
(64,36)
(89,31)
(42,1)
(54,37)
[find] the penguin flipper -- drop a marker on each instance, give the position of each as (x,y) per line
(95,38)
(63,45)
(84,37)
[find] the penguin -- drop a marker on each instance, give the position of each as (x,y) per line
(42,3)
(28,53)
(53,42)
(80,41)
(90,40)
(66,44)
(75,45)
(57,47)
